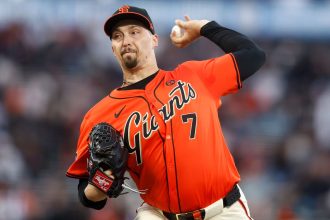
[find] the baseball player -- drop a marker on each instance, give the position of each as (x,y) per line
(169,120)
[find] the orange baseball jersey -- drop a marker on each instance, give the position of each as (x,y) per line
(176,146)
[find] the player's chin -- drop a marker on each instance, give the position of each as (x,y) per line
(130,63)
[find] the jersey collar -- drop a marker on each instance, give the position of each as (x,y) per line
(138,88)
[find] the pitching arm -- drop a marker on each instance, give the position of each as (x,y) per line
(248,55)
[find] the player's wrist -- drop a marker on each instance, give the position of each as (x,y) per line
(202,23)
(93,193)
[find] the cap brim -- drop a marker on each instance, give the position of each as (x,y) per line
(113,20)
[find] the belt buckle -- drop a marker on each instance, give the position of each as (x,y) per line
(196,215)
(178,216)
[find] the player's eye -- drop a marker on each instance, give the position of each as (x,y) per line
(135,31)
(116,36)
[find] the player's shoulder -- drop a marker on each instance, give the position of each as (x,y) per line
(98,108)
(198,65)
(188,67)
(191,64)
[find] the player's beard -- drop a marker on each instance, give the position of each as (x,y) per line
(130,61)
(129,57)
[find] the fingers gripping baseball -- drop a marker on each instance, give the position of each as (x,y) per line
(108,159)
(189,31)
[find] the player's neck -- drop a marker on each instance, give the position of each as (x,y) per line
(137,74)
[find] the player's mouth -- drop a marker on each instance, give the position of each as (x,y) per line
(126,51)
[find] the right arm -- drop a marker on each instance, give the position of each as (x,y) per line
(222,75)
(248,55)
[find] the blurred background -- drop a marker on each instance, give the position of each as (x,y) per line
(56,62)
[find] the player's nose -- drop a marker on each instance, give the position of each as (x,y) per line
(127,40)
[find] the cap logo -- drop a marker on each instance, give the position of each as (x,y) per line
(123,9)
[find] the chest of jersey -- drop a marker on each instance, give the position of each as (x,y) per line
(168,108)
(149,116)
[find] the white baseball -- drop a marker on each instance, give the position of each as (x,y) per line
(177,30)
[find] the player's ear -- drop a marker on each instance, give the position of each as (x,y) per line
(155,40)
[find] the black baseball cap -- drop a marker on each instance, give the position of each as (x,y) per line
(128,12)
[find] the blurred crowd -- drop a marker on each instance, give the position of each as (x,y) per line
(277,126)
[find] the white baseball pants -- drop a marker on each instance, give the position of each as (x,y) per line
(238,211)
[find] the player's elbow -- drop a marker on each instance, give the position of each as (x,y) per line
(257,59)
(249,61)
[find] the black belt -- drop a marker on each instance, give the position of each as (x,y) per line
(228,200)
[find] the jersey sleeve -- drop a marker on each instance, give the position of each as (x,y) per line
(78,169)
(220,75)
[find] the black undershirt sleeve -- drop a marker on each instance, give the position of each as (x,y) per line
(84,200)
(248,55)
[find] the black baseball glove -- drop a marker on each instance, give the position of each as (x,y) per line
(107,152)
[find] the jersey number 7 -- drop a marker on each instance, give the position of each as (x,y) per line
(193,118)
